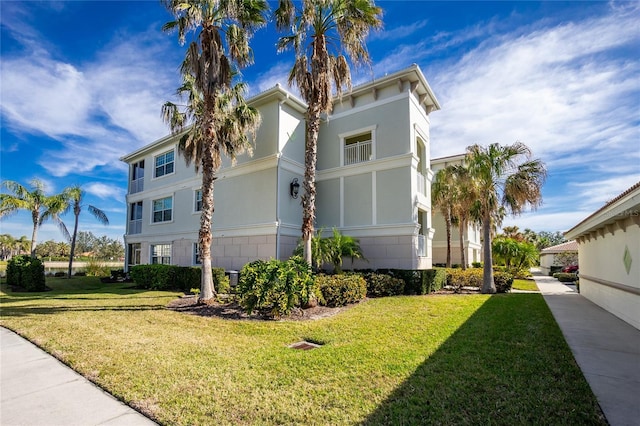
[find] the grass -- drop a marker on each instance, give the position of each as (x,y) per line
(440,359)
(528,285)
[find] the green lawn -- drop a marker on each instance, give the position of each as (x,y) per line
(528,285)
(440,359)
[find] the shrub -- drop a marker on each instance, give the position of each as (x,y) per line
(185,277)
(60,274)
(554,269)
(422,281)
(503,281)
(220,281)
(152,277)
(476,264)
(565,277)
(340,290)
(80,274)
(97,269)
(379,285)
(276,286)
(25,272)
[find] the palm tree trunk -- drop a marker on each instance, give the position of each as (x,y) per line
(487,277)
(309,184)
(461,228)
(34,234)
(447,221)
(73,244)
(207,289)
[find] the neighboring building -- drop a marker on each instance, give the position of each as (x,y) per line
(548,255)
(373,183)
(471,235)
(609,256)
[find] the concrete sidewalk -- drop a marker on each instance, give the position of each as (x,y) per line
(37,389)
(606,349)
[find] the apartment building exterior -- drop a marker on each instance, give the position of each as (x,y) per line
(373,183)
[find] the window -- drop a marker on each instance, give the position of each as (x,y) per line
(133,254)
(358,148)
(135,218)
(162,210)
(164,164)
(198,201)
(161,253)
(196,254)
(137,177)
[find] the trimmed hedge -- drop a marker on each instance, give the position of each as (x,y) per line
(26,272)
(340,290)
(422,281)
(172,277)
(457,279)
(565,277)
(380,285)
(276,286)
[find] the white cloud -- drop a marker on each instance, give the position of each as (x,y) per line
(105,191)
(277,74)
(399,32)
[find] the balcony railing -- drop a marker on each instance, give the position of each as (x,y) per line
(422,183)
(136,186)
(357,152)
(422,245)
(135,226)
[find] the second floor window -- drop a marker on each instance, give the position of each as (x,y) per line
(358,148)
(164,164)
(162,210)
(197,207)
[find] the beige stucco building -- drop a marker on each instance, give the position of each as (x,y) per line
(548,255)
(373,183)
(609,256)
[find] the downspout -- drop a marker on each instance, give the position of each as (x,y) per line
(278,184)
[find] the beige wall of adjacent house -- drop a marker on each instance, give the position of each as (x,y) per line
(602,267)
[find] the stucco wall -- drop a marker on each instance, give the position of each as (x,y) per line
(601,262)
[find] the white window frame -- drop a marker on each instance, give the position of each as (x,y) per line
(344,136)
(196,260)
(195,200)
(153,211)
(173,162)
(161,255)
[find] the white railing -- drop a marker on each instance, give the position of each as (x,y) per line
(135,226)
(422,183)
(422,245)
(136,186)
(357,152)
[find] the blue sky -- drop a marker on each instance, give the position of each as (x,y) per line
(82,83)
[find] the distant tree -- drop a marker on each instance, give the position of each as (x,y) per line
(507,177)
(41,206)
(108,249)
(52,249)
(74,195)
(85,242)
(566,258)
(547,239)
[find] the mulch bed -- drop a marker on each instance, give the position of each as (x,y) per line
(233,311)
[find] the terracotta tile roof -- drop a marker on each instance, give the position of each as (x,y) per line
(568,246)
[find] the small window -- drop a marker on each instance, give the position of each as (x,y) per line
(162,210)
(196,254)
(198,200)
(164,164)
(161,253)
(358,148)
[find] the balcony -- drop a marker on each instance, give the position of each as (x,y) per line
(135,227)
(357,152)
(136,186)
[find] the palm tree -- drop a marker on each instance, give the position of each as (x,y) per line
(342,25)
(41,206)
(442,198)
(219,118)
(74,195)
(465,198)
(507,177)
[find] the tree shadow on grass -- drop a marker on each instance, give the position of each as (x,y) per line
(507,364)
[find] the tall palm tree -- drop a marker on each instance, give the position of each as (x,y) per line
(335,30)
(216,112)
(34,199)
(508,178)
(442,198)
(74,195)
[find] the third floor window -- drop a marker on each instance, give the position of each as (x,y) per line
(164,164)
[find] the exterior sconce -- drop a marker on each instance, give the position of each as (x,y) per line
(294,188)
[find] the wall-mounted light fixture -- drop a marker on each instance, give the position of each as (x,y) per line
(294,188)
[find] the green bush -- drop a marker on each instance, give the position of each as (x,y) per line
(95,268)
(220,281)
(503,281)
(60,274)
(476,264)
(380,285)
(340,290)
(80,274)
(276,286)
(553,269)
(26,272)
(423,281)
(173,277)
(185,277)
(565,277)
